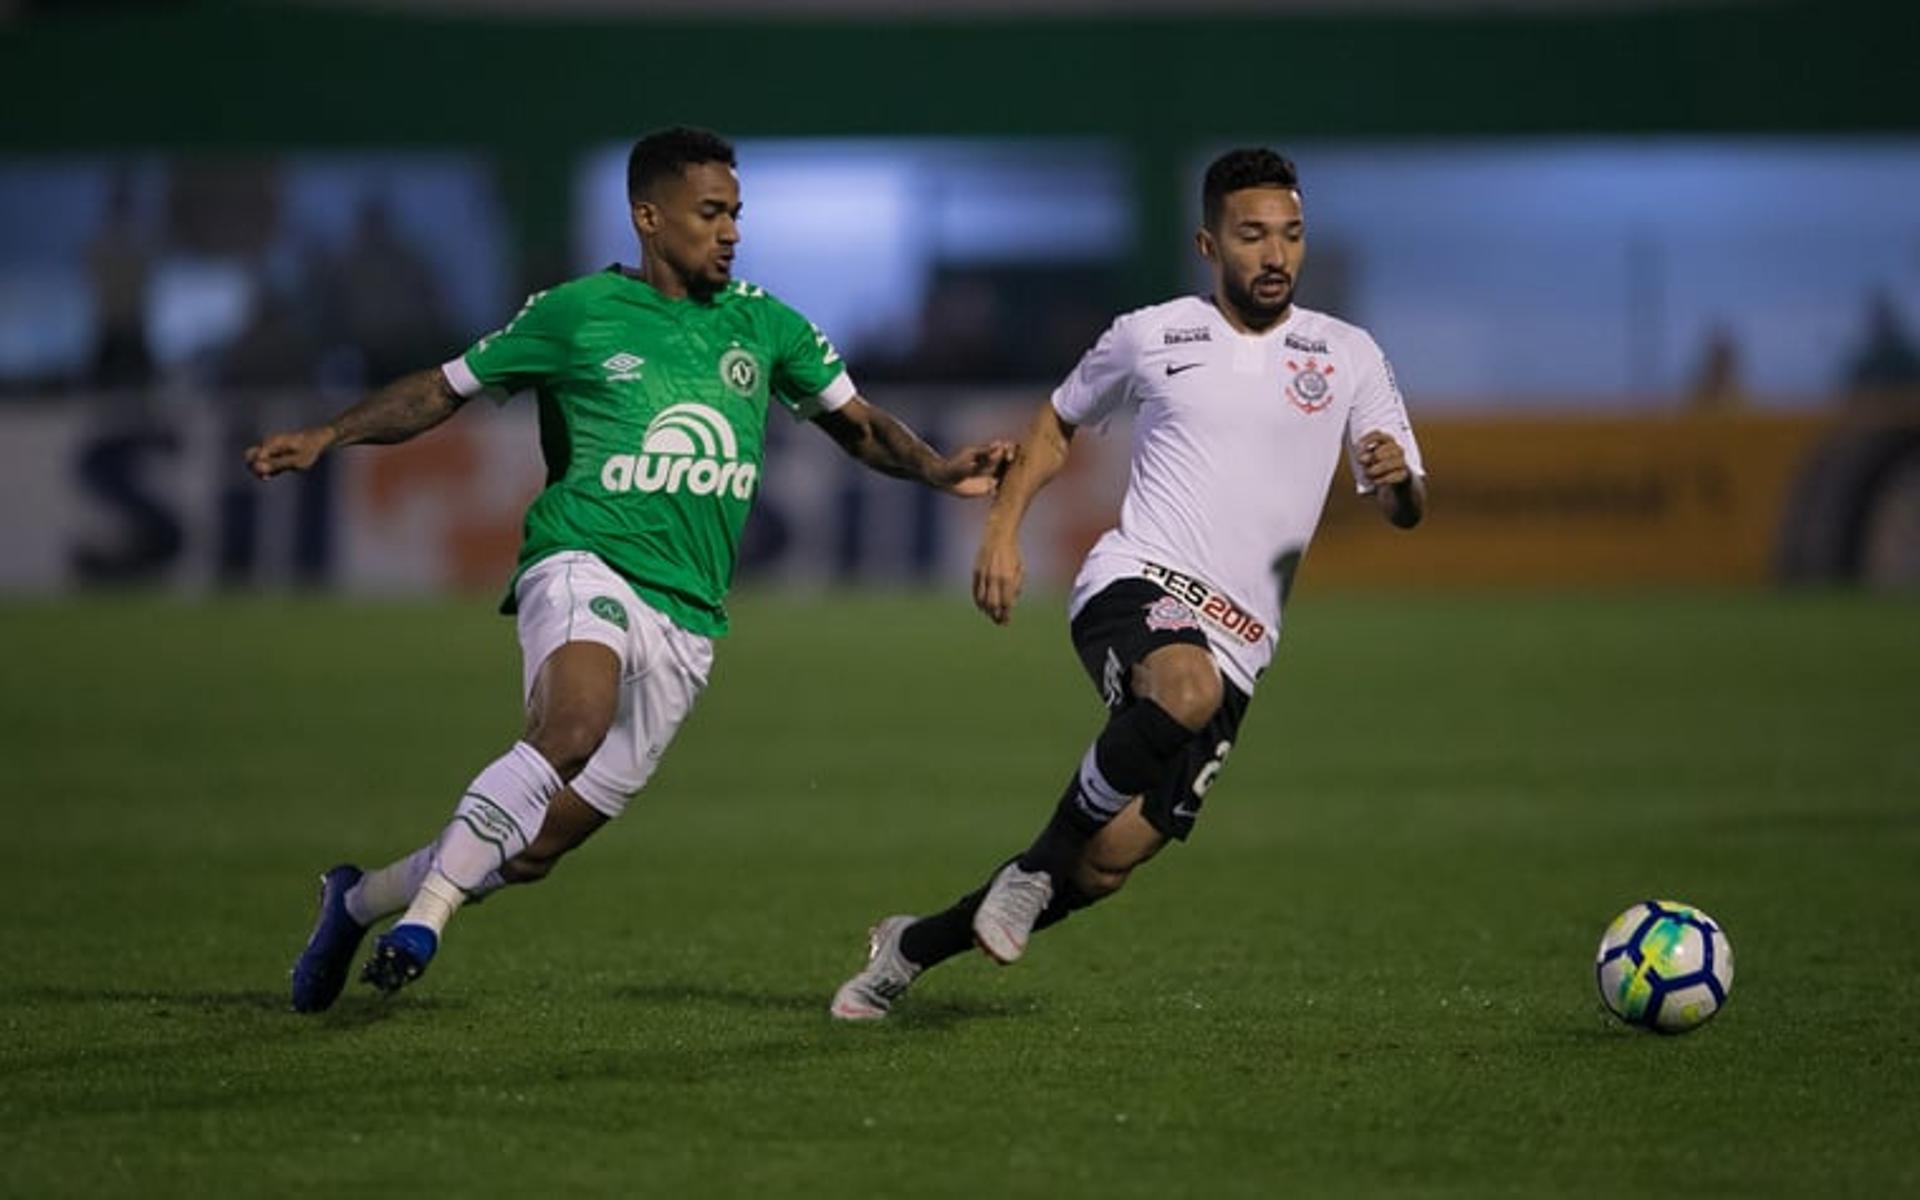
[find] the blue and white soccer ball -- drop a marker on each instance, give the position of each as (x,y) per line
(1665,966)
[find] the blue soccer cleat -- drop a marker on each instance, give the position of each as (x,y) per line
(321,970)
(400,956)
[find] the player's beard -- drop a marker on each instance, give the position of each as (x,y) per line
(1251,307)
(709,277)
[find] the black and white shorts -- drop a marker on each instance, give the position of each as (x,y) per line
(1122,624)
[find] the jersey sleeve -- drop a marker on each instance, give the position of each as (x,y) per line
(1378,406)
(809,377)
(1103,382)
(535,346)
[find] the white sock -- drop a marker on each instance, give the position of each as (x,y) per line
(435,903)
(496,819)
(1095,796)
(439,898)
(386,890)
(491,884)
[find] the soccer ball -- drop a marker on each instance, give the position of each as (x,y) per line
(1665,966)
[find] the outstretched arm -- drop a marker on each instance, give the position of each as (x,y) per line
(410,405)
(879,439)
(997,570)
(1401,494)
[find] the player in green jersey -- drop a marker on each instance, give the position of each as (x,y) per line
(654,386)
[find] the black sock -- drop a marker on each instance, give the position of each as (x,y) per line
(1137,748)
(933,940)
(1067,900)
(1059,845)
(1131,757)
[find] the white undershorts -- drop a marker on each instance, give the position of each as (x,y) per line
(573,596)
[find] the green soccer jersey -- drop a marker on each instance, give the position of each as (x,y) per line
(653,413)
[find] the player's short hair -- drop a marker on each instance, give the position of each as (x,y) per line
(1244,168)
(667,152)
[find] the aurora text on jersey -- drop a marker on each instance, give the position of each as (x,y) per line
(652,420)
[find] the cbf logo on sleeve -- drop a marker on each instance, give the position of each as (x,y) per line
(687,448)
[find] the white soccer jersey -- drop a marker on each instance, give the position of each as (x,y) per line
(1235,440)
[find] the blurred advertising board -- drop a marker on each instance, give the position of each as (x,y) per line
(92,495)
(1584,502)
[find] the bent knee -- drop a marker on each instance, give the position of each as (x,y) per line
(1098,885)
(1099,879)
(568,742)
(524,869)
(1190,695)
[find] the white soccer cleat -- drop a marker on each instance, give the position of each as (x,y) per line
(869,996)
(1014,901)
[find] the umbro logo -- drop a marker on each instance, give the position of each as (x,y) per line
(1175,370)
(623,367)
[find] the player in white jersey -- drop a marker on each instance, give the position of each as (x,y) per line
(1242,403)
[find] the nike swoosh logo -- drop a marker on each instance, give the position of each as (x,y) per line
(1173,370)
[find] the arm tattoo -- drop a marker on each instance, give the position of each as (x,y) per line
(881,441)
(898,451)
(410,405)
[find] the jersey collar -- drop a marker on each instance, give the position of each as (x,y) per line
(1213,311)
(631,276)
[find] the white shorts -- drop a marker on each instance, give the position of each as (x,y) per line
(573,596)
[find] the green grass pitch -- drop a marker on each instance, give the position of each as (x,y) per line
(1370,972)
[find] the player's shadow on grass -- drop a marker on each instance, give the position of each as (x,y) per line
(668,993)
(162,1003)
(164,1030)
(935,1012)
(944,1012)
(357,1011)
(158,1002)
(191,1024)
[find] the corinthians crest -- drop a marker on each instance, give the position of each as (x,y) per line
(1311,389)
